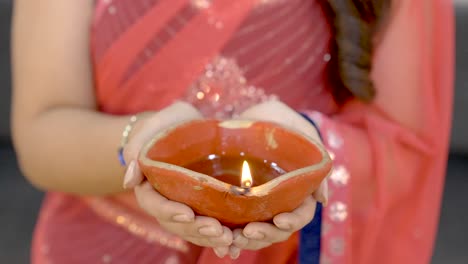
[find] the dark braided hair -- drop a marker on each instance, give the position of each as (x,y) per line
(354,24)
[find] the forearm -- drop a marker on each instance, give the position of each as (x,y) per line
(72,150)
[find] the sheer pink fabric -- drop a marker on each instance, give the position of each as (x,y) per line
(226,55)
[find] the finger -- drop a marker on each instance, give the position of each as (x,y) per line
(265,232)
(133,176)
(178,112)
(255,245)
(234,252)
(221,252)
(185,111)
(223,241)
(263,111)
(321,195)
(298,218)
(205,227)
(278,112)
(161,208)
(240,240)
(206,242)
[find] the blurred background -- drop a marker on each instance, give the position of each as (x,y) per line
(20,202)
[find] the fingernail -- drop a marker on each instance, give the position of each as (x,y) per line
(234,252)
(228,240)
(209,231)
(240,242)
(182,218)
(220,252)
(129,174)
(254,235)
(283,225)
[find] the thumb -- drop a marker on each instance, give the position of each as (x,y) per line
(321,194)
(133,175)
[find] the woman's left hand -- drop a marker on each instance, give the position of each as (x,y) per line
(260,235)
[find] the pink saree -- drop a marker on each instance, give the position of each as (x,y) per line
(223,56)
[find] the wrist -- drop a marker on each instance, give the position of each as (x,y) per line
(134,124)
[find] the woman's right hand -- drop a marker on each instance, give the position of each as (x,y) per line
(179,219)
(176,218)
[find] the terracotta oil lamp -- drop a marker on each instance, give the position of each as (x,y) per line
(237,171)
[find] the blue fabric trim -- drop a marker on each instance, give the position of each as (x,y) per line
(310,236)
(312,122)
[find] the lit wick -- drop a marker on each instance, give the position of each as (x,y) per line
(246,178)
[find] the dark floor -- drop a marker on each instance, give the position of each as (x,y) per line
(20,203)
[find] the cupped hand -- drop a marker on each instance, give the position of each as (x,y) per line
(278,112)
(258,235)
(176,218)
(179,219)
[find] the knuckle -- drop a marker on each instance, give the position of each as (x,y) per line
(219,242)
(227,239)
(189,229)
(203,220)
(164,210)
(241,242)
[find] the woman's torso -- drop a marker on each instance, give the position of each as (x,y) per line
(280,50)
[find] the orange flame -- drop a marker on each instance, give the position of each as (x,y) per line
(246,179)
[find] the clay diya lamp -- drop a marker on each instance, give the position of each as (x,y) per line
(237,171)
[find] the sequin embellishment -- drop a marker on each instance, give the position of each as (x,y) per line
(338,211)
(340,176)
(334,140)
(136,226)
(223,91)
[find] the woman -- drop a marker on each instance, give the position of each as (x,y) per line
(374,76)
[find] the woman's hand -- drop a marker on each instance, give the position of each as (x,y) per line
(177,218)
(145,128)
(278,112)
(260,235)
(257,235)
